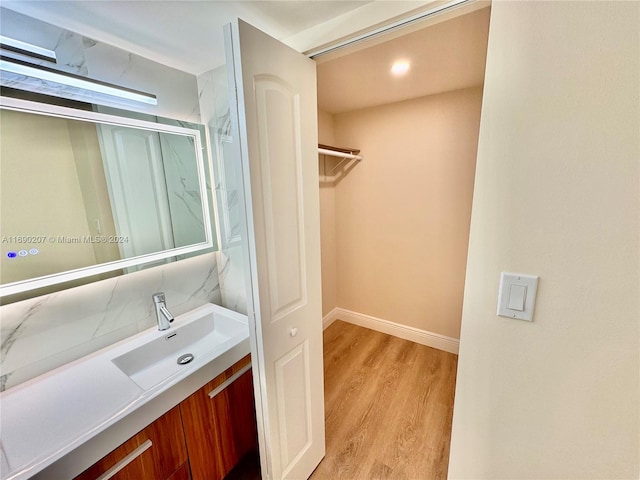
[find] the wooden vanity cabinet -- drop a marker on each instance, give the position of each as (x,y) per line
(220,423)
(156,453)
(202,438)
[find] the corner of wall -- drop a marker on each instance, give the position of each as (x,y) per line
(327,221)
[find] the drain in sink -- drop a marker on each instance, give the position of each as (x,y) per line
(184,359)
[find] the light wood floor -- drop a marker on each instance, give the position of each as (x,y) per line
(388,407)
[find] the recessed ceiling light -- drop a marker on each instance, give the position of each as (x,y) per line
(400,68)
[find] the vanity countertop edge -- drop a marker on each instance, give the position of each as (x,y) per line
(119,409)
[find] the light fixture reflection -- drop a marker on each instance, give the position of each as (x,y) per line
(41,72)
(28,49)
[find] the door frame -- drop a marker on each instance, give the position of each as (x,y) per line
(248,245)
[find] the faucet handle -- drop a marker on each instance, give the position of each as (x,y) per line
(158,297)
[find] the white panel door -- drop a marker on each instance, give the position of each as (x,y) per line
(277,120)
(136,181)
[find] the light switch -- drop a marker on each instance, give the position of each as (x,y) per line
(517,295)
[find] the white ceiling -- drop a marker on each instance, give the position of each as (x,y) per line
(188,34)
(185,34)
(443,57)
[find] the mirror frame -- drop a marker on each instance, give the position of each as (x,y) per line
(7,103)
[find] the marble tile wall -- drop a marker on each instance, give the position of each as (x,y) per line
(84,56)
(40,334)
(45,332)
(214,106)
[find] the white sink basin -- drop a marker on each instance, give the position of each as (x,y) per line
(173,350)
(47,418)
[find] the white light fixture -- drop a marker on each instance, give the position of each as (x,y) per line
(400,68)
(44,73)
(24,48)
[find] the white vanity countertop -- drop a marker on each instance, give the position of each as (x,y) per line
(44,419)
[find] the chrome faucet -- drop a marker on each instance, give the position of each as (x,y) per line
(163,315)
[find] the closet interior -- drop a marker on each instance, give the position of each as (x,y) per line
(395,216)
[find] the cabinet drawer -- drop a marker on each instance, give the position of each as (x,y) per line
(219,423)
(155,453)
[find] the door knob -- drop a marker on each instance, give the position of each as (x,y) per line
(293,332)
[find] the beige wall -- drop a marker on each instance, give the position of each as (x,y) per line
(402,215)
(327,221)
(325,128)
(556,195)
(40,196)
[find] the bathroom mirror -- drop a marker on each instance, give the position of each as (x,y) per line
(85,194)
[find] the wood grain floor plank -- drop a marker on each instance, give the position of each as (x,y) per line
(360,430)
(388,407)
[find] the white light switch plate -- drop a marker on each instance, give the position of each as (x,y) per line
(519,281)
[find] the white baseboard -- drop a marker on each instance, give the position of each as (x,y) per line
(329,318)
(423,337)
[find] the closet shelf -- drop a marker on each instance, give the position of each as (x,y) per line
(350,153)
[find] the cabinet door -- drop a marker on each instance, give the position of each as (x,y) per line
(219,423)
(156,453)
(182,473)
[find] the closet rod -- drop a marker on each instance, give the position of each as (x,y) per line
(333,153)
